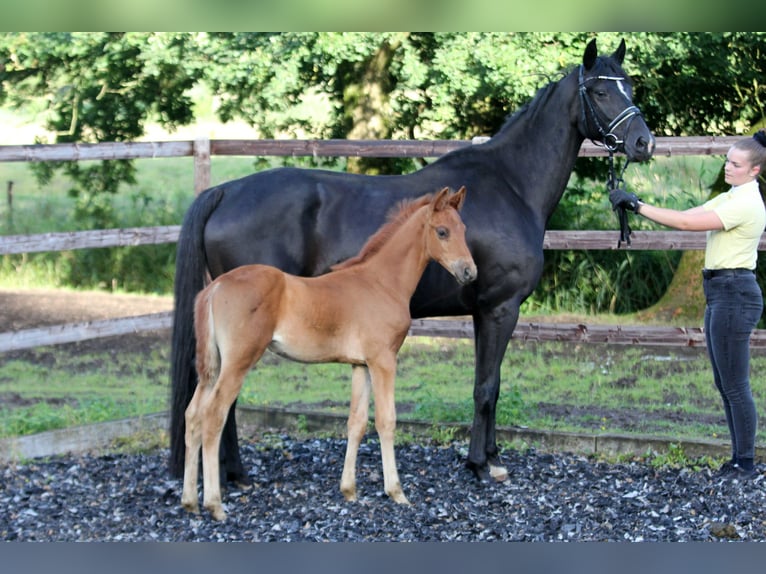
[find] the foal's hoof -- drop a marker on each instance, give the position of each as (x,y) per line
(397,495)
(192,507)
(217,512)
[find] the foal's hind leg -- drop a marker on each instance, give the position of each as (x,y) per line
(357,425)
(215,407)
(383,374)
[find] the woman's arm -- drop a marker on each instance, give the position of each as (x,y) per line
(694,219)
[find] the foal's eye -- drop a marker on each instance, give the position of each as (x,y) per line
(442,232)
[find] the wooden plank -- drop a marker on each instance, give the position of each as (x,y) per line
(96,151)
(73,332)
(667,146)
(62,241)
(460,328)
(553,240)
(581,333)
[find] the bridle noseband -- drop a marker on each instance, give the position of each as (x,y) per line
(609,139)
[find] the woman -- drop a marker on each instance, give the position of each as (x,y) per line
(734,221)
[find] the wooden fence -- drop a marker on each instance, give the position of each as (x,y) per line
(202,150)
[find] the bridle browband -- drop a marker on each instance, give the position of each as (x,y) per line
(609,140)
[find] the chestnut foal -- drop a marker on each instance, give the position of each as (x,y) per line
(356,314)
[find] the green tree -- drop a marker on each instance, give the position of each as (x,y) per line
(99,87)
(398,85)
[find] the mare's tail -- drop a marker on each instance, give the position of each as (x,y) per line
(189,280)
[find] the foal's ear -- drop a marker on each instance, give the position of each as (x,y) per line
(441,199)
(456,199)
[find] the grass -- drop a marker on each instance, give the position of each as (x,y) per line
(564,387)
(56,387)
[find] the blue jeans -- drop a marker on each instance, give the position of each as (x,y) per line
(734,306)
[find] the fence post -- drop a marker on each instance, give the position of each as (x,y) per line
(201,165)
(9,194)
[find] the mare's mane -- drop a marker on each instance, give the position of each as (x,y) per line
(396,218)
(531,107)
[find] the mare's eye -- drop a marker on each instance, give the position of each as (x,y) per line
(442,232)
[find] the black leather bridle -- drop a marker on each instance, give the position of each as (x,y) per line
(608,139)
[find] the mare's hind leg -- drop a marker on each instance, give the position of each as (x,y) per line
(383,374)
(193,437)
(357,425)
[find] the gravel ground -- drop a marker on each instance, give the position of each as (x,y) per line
(295,497)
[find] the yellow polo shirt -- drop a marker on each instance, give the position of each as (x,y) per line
(743,215)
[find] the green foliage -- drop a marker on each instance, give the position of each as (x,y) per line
(676,457)
(43,416)
(511,409)
(91,87)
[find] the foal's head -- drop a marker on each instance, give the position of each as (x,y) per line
(445,238)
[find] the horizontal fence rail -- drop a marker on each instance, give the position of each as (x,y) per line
(461,328)
(201,151)
(553,240)
(666,146)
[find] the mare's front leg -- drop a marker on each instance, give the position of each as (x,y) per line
(383,373)
(492,330)
(357,426)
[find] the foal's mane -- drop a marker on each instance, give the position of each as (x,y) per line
(396,218)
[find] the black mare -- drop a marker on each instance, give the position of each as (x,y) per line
(305,220)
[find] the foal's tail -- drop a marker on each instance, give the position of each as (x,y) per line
(191,268)
(208,361)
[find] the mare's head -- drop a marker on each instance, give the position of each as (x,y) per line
(445,235)
(606,111)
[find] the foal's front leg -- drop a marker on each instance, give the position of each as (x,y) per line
(193,438)
(383,374)
(357,425)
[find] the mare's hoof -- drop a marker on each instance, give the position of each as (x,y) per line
(480,472)
(240,479)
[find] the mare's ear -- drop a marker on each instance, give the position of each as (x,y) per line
(591,53)
(456,199)
(619,53)
(441,199)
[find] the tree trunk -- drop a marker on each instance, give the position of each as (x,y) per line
(367,108)
(683,300)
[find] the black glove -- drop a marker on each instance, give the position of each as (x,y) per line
(621,198)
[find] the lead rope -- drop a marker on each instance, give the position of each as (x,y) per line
(613,182)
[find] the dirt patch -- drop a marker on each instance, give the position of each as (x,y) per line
(25,309)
